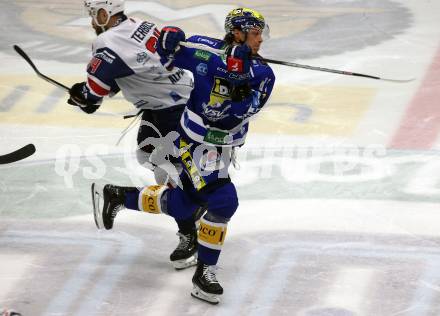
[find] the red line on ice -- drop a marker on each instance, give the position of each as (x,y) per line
(420,126)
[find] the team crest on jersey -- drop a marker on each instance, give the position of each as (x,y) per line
(202,69)
(142,58)
(94,64)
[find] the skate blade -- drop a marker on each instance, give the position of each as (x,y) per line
(201,295)
(96,200)
(185,263)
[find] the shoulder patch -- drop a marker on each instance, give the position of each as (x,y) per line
(202,54)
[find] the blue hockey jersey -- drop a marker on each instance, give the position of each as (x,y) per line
(211,117)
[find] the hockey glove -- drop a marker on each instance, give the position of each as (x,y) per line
(238,63)
(169,39)
(78,97)
(168,44)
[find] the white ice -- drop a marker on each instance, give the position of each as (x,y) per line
(339,213)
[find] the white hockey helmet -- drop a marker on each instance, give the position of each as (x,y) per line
(112,7)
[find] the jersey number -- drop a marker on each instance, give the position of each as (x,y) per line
(152,41)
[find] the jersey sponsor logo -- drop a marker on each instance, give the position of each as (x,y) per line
(211,161)
(174,78)
(106,56)
(218,138)
(220,92)
(151,199)
(235,64)
(223,70)
(56,20)
(239,76)
(202,69)
(211,235)
(213,114)
(206,41)
(202,55)
(151,204)
(190,167)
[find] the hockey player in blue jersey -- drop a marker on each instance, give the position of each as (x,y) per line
(229,89)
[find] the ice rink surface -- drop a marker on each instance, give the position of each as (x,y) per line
(339,181)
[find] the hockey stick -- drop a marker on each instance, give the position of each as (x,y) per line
(50,80)
(29,61)
(17,155)
(285,63)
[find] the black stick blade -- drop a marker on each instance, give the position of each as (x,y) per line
(25,57)
(17,155)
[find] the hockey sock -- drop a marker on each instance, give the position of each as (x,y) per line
(131,200)
(211,238)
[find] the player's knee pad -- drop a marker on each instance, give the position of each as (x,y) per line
(143,159)
(150,199)
(212,231)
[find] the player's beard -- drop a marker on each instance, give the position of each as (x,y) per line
(98,30)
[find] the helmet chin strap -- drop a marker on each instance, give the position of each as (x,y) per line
(102,26)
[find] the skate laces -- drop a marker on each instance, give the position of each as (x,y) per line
(116,209)
(183,241)
(118,204)
(209,273)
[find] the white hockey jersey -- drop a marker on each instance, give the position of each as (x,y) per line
(125,58)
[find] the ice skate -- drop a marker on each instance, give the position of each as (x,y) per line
(107,202)
(185,254)
(206,286)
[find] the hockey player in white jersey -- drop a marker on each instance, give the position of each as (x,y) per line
(125,59)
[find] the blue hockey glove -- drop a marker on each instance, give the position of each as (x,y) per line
(169,39)
(238,64)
